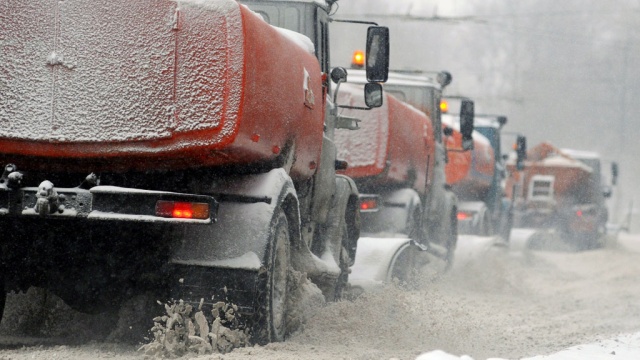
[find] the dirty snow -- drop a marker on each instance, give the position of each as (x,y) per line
(249,261)
(495,303)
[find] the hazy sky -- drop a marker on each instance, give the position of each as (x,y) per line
(566,71)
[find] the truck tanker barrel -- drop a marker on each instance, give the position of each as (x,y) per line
(544,160)
(393,147)
(477,178)
(161,84)
(469,173)
(561,191)
(398,161)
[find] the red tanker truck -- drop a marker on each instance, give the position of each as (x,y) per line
(397,160)
(184,148)
(478,177)
(562,190)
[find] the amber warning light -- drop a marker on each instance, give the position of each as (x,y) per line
(357,61)
(182,210)
(444,106)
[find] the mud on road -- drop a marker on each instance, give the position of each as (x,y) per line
(494,303)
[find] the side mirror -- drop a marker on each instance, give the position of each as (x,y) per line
(521,152)
(373,95)
(377,57)
(338,75)
(447,131)
(614,173)
(466,123)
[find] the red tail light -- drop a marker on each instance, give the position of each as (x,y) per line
(369,204)
(182,210)
(579,213)
(464,215)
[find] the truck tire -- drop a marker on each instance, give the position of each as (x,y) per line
(403,267)
(451,227)
(484,226)
(505,231)
(271,304)
(3,296)
(413,225)
(335,294)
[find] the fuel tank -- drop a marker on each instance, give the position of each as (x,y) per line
(394,145)
(469,173)
(117,85)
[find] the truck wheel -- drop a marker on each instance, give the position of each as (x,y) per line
(3,296)
(413,224)
(484,227)
(341,283)
(506,228)
(270,323)
(451,227)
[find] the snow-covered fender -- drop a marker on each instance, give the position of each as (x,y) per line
(393,216)
(376,258)
(239,237)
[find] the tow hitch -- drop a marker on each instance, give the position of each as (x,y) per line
(47,199)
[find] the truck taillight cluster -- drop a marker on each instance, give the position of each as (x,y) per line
(182,210)
(368,203)
(462,215)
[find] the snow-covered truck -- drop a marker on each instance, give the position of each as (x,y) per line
(180,147)
(478,177)
(563,190)
(397,160)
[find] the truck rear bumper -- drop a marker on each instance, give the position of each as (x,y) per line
(105,203)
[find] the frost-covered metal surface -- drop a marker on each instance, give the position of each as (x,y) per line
(469,172)
(395,143)
(366,147)
(154,84)
(104,70)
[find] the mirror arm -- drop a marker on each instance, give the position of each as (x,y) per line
(354,107)
(335,100)
(354,21)
(335,92)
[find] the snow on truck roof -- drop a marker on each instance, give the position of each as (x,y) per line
(486,121)
(322,3)
(581,154)
(453,121)
(395,78)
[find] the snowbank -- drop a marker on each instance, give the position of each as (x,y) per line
(623,347)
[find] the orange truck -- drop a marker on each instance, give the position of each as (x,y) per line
(562,190)
(478,177)
(397,159)
(182,147)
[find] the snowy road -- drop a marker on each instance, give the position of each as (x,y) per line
(494,303)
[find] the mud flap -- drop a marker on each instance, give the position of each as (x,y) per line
(222,262)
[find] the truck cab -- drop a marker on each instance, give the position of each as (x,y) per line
(307,17)
(423,210)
